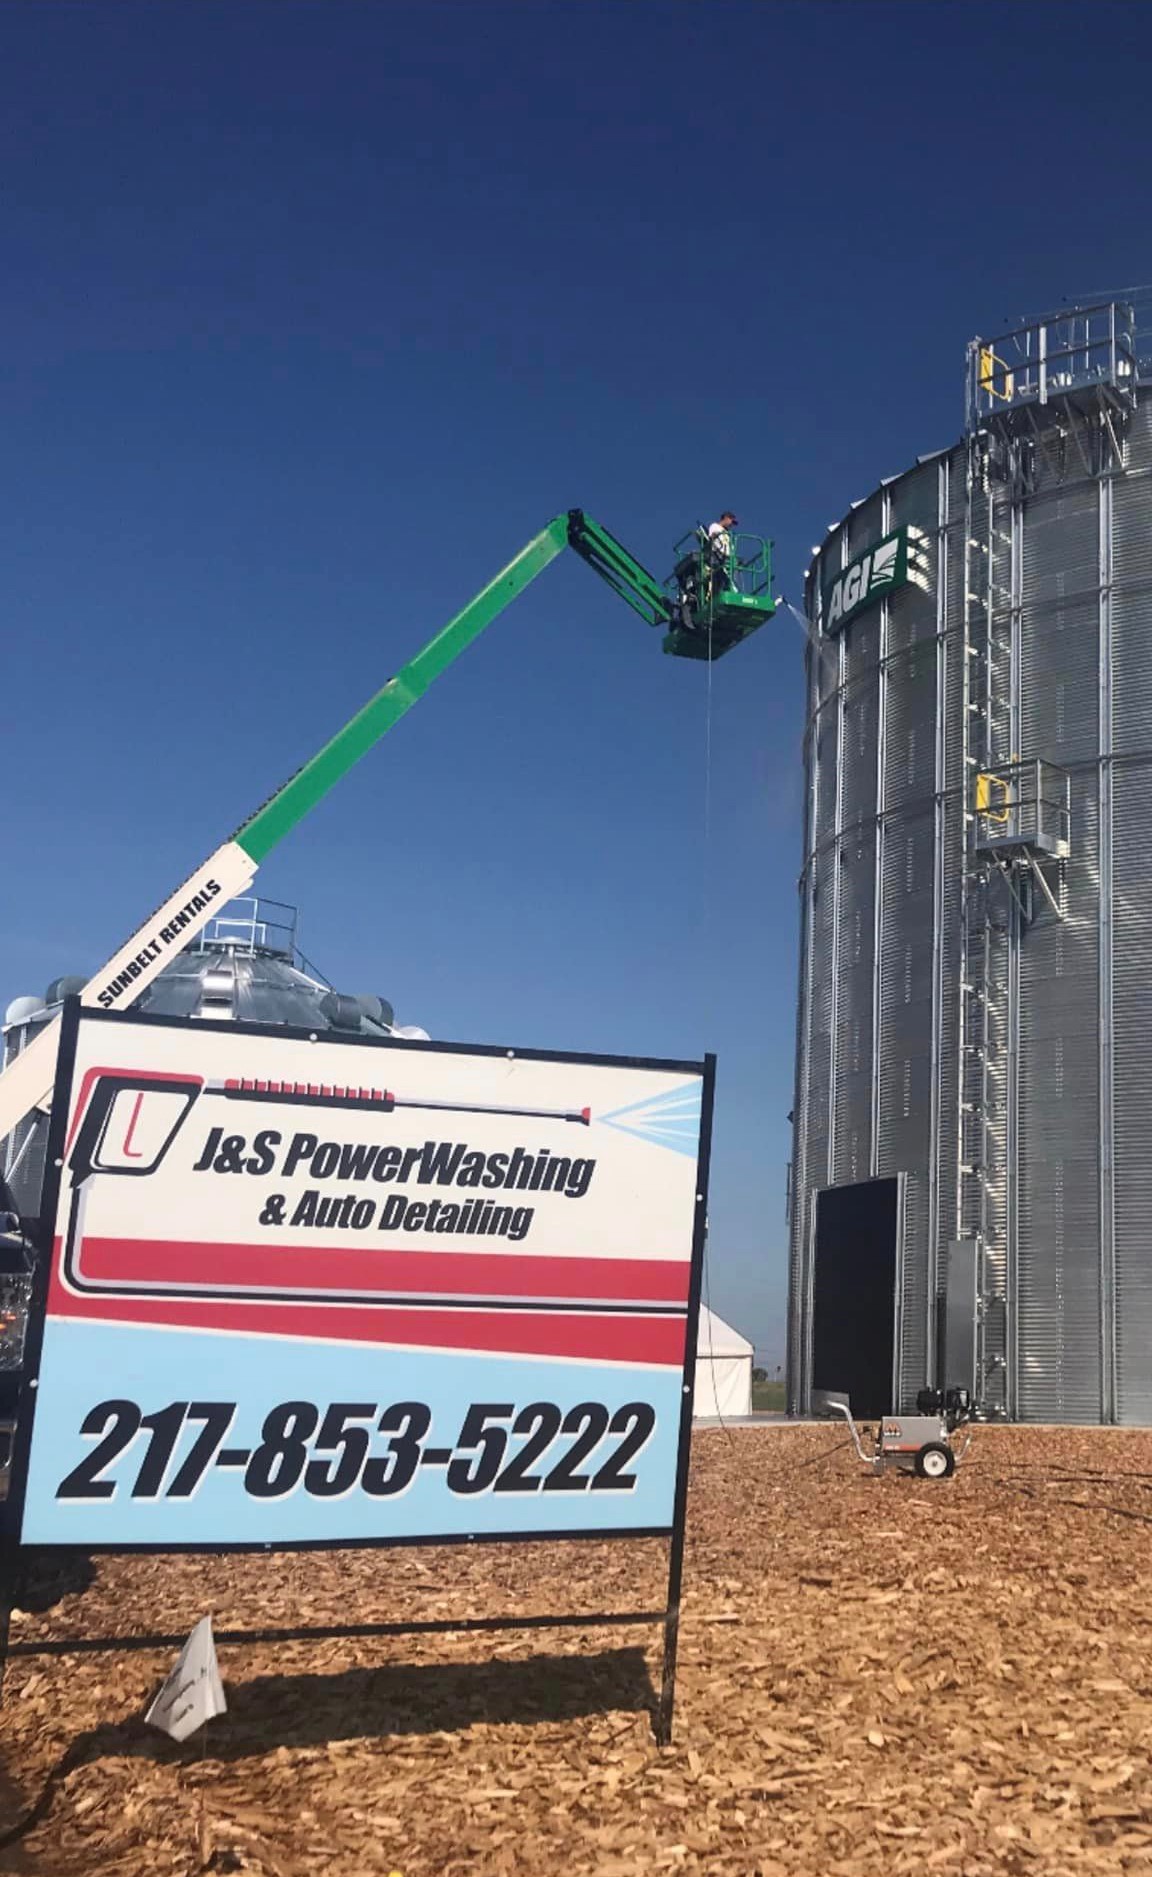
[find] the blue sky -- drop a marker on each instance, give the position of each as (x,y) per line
(316,312)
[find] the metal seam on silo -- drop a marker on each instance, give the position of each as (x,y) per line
(800,1312)
(834,961)
(898,1298)
(1012,1027)
(807,1225)
(879,907)
(1132,894)
(832,846)
(878,896)
(1106,1091)
(799,1183)
(939,835)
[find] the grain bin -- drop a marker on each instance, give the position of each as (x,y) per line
(971,1191)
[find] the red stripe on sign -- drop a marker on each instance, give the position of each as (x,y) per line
(312,1267)
(586,1337)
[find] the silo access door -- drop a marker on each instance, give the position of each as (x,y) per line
(854,1294)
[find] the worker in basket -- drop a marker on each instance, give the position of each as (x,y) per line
(705,573)
(720,550)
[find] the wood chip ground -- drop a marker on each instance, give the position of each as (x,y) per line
(876,1676)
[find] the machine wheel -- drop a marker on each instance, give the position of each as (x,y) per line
(935,1461)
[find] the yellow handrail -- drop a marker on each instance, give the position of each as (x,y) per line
(993,797)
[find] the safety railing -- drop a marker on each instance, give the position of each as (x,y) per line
(1026,806)
(748,564)
(750,568)
(1088,347)
(248,926)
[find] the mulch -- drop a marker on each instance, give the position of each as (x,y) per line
(877,1676)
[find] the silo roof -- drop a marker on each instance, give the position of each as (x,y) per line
(256,987)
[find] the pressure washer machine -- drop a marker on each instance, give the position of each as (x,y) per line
(920,1443)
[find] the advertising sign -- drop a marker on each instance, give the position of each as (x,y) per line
(895,561)
(324,1290)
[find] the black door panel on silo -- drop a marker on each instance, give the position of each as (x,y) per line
(854,1293)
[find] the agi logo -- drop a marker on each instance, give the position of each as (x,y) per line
(883,569)
(893,562)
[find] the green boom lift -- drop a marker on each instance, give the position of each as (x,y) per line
(707,605)
(705,608)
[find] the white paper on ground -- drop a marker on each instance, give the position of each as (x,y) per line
(193,1692)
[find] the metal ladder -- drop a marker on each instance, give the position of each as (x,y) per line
(988,919)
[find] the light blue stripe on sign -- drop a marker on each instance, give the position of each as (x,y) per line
(87,1363)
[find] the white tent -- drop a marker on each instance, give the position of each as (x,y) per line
(723,1370)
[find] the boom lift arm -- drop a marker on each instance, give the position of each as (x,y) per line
(27,1081)
(609,558)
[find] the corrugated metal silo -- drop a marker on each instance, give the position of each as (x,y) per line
(977,906)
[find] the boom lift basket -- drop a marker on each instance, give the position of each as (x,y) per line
(717,602)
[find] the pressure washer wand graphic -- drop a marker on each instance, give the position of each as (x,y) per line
(581,1115)
(378,1100)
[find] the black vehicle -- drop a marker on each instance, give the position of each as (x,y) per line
(15,1286)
